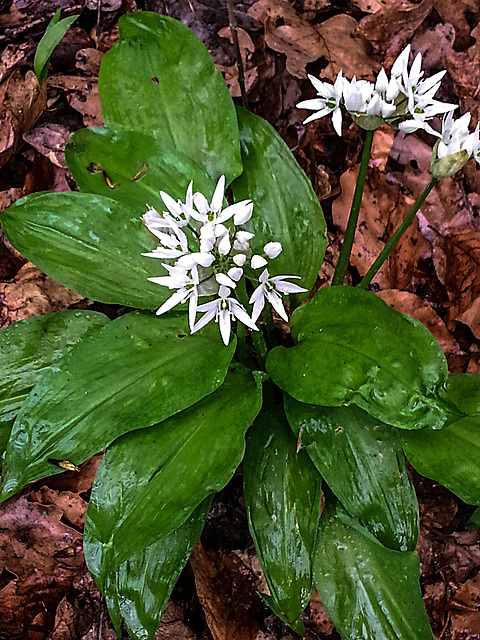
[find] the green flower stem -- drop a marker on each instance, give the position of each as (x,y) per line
(269,326)
(257,336)
(376,266)
(244,352)
(354,212)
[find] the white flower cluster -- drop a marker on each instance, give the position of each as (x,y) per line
(405,96)
(217,261)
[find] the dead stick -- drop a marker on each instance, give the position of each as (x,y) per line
(238,55)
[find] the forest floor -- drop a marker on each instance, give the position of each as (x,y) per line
(434,275)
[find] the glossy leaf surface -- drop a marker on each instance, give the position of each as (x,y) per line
(29,347)
(361,459)
(369,592)
(159,78)
(286,208)
(89,243)
(133,168)
(133,373)
(452,455)
(138,590)
(150,481)
(354,349)
(282,494)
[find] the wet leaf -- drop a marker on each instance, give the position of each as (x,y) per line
(29,348)
(282,493)
(452,455)
(369,592)
(150,481)
(89,243)
(158,82)
(353,349)
(362,462)
(154,570)
(137,164)
(130,374)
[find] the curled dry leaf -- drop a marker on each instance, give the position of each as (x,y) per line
(50,140)
(390,29)
(465,608)
(23,100)
(457,262)
(383,208)
(40,557)
(226,590)
(461,15)
(89,60)
(247,48)
(82,94)
(32,293)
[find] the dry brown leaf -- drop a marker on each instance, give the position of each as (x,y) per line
(368,6)
(89,60)
(50,140)
(11,56)
(457,262)
(318,619)
(414,306)
(391,28)
(82,94)
(40,556)
(447,205)
(247,48)
(461,15)
(464,70)
(23,100)
(32,293)
(72,505)
(345,49)
(465,607)
(384,206)
(226,590)
(173,627)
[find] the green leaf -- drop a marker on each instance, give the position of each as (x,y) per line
(132,167)
(150,481)
(451,456)
(135,372)
(354,349)
(369,592)
(362,461)
(474,520)
(138,590)
(30,347)
(286,208)
(89,243)
(54,32)
(282,494)
(160,79)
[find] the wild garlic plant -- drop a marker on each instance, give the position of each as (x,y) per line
(177,403)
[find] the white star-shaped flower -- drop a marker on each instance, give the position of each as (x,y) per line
(269,289)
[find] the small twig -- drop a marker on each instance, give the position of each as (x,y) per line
(238,55)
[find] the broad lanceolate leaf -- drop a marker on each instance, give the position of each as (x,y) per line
(29,347)
(369,592)
(452,455)
(150,481)
(89,243)
(362,461)
(135,372)
(286,208)
(159,78)
(132,167)
(354,349)
(54,32)
(138,590)
(282,494)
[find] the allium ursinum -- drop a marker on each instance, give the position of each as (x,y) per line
(208,258)
(405,95)
(455,147)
